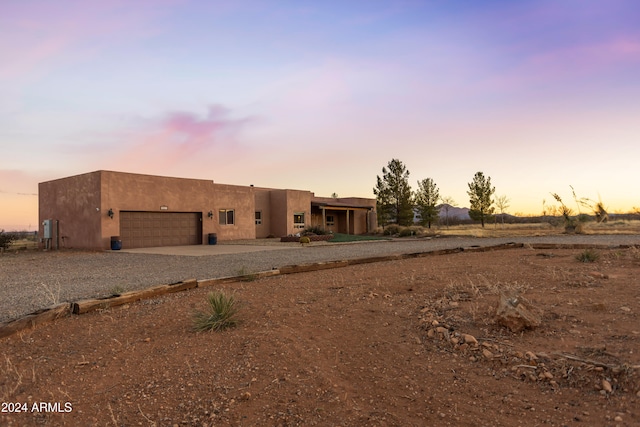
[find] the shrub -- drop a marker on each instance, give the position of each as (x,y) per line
(246,275)
(221,313)
(304,240)
(406,232)
(588,255)
(315,230)
(378,230)
(391,229)
(6,239)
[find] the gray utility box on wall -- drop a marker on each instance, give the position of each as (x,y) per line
(48,229)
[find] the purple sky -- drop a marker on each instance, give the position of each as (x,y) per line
(538,95)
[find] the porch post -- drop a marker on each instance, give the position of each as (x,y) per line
(348,221)
(324,219)
(368,220)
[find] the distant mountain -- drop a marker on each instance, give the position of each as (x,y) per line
(454,212)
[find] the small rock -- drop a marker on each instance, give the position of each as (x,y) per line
(625,309)
(530,355)
(606,386)
(454,340)
(618,419)
(486,353)
(469,339)
(442,330)
(514,314)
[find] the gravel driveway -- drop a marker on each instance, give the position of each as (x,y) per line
(33,280)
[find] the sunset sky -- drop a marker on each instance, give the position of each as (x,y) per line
(320,95)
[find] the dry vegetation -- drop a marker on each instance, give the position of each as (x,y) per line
(524,229)
(403,343)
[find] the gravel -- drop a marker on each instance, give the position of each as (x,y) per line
(32,280)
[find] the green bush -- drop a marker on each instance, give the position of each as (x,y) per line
(315,229)
(588,255)
(221,313)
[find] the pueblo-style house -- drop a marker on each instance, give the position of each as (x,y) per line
(88,210)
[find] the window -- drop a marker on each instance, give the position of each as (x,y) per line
(298,220)
(258,217)
(226,216)
(330,220)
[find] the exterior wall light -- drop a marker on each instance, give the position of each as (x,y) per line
(210,214)
(110,213)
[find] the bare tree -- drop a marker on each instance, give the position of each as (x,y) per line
(502,203)
(448,202)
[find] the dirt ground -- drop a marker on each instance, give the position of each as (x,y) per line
(383,344)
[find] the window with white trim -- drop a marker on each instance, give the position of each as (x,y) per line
(298,220)
(227,217)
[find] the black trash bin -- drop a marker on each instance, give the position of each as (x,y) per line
(213,238)
(116,243)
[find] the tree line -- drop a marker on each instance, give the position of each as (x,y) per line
(397,203)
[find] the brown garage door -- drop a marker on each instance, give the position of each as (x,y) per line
(149,229)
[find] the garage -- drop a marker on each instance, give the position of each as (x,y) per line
(151,229)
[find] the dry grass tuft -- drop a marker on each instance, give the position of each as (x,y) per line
(51,294)
(588,255)
(10,380)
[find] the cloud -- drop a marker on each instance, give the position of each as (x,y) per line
(179,137)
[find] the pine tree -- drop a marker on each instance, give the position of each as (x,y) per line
(393,195)
(480,192)
(427,197)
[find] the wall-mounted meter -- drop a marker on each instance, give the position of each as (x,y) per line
(48,229)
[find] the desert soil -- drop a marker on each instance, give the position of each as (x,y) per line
(382,344)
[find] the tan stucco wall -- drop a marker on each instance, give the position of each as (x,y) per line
(136,192)
(263,204)
(124,191)
(298,202)
(75,203)
(278,202)
(80,204)
(242,201)
(284,204)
